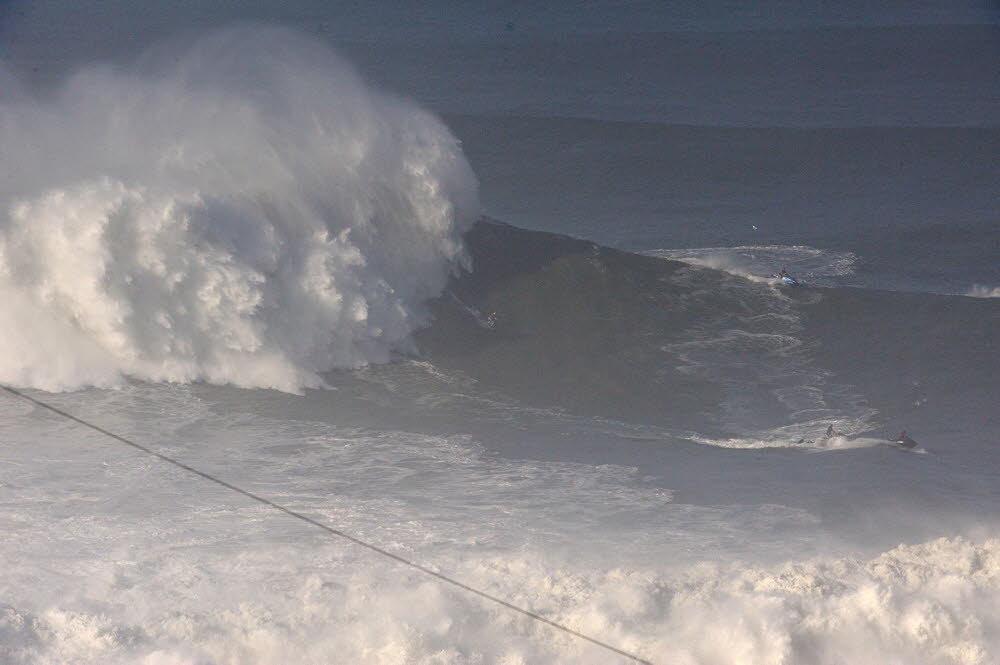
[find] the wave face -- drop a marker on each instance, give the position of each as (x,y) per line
(242,209)
(719,356)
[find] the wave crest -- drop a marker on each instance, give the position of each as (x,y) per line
(246,211)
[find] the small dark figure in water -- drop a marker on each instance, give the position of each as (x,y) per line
(784,273)
(903,439)
(830,432)
(491,320)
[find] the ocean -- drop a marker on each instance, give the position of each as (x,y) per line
(367,300)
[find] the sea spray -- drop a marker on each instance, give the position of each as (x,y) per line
(242,209)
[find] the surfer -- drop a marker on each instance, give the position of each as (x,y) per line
(830,433)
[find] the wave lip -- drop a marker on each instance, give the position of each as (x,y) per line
(245,210)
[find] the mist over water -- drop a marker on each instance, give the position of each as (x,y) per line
(243,211)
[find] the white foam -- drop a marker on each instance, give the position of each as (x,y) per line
(800,435)
(980,291)
(810,265)
(139,564)
(933,603)
(243,211)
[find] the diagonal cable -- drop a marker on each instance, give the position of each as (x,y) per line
(328,529)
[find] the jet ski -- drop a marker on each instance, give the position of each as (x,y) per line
(787,280)
(903,440)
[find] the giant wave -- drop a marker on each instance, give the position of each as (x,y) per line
(242,209)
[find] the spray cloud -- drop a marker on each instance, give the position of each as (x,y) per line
(240,210)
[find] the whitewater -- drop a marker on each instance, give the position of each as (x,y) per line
(291,266)
(233,215)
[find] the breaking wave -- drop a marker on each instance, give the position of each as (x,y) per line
(241,210)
